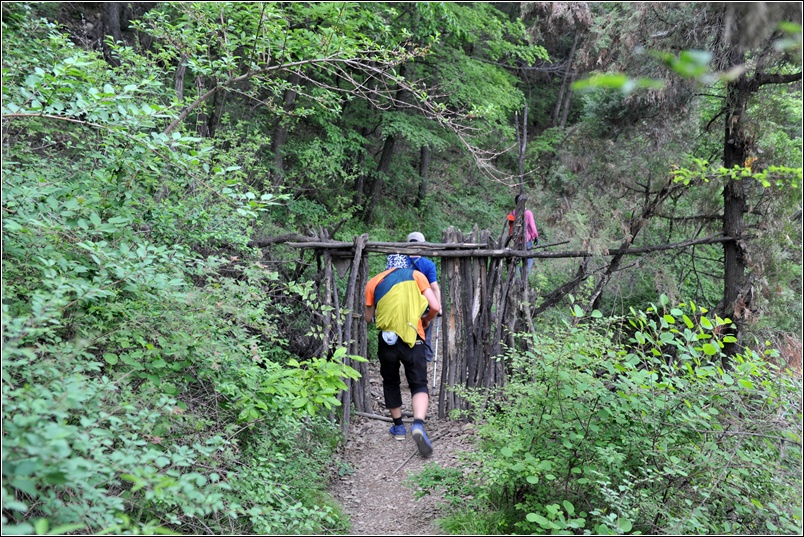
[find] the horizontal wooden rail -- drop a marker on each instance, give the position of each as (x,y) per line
(339,249)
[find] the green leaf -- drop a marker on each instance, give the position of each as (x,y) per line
(110,357)
(56,478)
(67,528)
(507,452)
(687,321)
(539,519)
(569,507)
(41,525)
(625,525)
(667,337)
(25,485)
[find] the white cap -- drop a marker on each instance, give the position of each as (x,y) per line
(416,237)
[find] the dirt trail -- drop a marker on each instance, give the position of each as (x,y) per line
(375,496)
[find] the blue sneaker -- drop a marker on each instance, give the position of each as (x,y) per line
(422,442)
(398,432)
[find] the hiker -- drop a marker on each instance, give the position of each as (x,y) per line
(531,233)
(397,299)
(428,268)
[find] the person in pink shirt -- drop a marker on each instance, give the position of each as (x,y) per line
(531,233)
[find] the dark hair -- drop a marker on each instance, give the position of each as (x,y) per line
(516,199)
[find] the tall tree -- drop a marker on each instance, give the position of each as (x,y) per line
(744,27)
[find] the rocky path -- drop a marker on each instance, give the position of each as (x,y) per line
(372,490)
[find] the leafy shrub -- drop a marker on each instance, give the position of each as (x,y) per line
(280,483)
(140,346)
(654,436)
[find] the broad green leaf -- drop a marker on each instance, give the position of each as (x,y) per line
(569,507)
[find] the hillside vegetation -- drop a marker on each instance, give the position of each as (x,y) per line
(162,374)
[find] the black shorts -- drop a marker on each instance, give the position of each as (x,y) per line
(413,360)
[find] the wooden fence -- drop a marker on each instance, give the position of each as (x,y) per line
(482,293)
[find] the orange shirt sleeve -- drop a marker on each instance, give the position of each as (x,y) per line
(420,277)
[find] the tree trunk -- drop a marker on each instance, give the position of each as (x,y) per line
(201,118)
(280,136)
(360,180)
(567,102)
(218,101)
(379,177)
(565,83)
(385,159)
(424,175)
(178,78)
(734,203)
(112,13)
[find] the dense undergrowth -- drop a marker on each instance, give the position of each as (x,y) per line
(146,384)
(637,425)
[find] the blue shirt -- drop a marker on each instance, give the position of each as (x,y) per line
(426,267)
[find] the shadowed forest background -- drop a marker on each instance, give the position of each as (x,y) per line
(166,365)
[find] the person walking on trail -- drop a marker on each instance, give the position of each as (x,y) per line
(531,233)
(397,299)
(428,268)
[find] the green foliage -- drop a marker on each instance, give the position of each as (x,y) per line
(631,425)
(280,485)
(616,81)
(779,176)
(140,343)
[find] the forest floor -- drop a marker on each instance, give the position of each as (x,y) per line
(373,490)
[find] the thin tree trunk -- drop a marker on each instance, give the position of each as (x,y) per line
(379,177)
(424,175)
(565,85)
(218,100)
(112,13)
(178,78)
(280,135)
(567,101)
(201,118)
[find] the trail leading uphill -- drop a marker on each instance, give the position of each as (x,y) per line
(374,495)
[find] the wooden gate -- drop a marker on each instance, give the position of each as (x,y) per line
(482,307)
